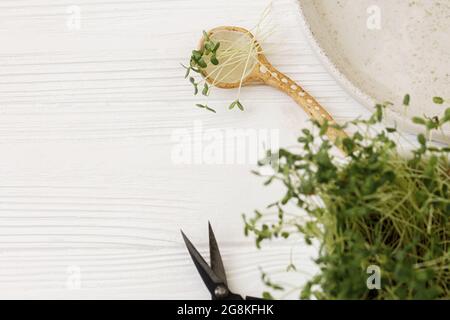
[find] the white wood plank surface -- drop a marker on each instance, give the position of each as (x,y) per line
(88,189)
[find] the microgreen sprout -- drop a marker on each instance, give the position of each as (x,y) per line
(204,106)
(236,103)
(226,55)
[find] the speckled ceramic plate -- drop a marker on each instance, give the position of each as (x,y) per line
(381,50)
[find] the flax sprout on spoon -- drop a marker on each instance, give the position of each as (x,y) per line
(225,59)
(232,57)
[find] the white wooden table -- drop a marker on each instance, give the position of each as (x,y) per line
(91,202)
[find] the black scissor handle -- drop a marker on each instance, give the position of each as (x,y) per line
(253,298)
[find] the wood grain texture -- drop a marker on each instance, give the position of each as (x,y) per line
(86,176)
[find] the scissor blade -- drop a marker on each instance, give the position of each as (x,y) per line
(209,278)
(216,258)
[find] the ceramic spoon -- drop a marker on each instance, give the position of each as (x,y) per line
(248,65)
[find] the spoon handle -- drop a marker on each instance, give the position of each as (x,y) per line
(269,75)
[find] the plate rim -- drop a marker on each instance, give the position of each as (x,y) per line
(393,117)
(356,92)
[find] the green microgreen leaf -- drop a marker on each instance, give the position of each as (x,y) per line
(202,63)
(391,130)
(406,100)
(214,60)
(236,103)
(205,90)
(206,36)
(240,106)
(204,106)
(267,296)
(188,71)
(438,100)
(421,138)
(446,117)
(196,55)
(418,120)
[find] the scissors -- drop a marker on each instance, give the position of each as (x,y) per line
(213,276)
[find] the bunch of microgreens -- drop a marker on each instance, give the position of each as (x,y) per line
(375,207)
